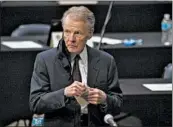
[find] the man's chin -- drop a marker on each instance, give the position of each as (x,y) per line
(73,51)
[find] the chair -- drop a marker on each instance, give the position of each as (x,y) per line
(31,30)
(55,33)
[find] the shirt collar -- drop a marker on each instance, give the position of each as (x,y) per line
(83,55)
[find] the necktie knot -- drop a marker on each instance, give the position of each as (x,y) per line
(77,57)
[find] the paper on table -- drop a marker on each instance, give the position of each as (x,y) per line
(106,40)
(159,87)
(22,44)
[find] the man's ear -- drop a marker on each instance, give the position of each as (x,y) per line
(90,35)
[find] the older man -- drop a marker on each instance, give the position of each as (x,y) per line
(72,72)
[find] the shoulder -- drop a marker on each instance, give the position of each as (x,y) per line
(102,54)
(105,60)
(47,54)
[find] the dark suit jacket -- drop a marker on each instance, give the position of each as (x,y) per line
(52,74)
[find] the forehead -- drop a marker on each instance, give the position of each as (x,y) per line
(75,23)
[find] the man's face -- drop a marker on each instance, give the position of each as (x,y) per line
(76,33)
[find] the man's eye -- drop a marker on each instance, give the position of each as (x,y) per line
(67,31)
(77,32)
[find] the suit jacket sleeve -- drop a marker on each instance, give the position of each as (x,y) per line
(43,100)
(114,94)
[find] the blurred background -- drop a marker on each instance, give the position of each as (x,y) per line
(138,35)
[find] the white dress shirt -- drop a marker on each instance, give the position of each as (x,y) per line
(83,67)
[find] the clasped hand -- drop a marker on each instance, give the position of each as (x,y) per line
(92,95)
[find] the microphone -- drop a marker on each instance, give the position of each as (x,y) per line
(109,119)
(108,16)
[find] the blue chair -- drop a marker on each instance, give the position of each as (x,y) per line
(31,30)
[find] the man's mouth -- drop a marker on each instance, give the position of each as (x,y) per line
(72,46)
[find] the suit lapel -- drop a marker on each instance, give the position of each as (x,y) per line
(62,59)
(93,59)
(93,70)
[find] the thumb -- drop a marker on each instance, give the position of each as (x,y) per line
(91,89)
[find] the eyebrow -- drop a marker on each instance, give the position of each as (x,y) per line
(72,31)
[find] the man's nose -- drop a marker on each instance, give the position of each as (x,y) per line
(72,37)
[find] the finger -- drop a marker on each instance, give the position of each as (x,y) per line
(94,90)
(76,83)
(82,92)
(84,84)
(94,96)
(79,89)
(75,91)
(92,99)
(80,86)
(93,102)
(79,83)
(91,93)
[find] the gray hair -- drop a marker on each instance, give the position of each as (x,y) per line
(82,13)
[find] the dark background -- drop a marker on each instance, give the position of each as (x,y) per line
(16,66)
(126,16)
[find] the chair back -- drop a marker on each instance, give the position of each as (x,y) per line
(31,29)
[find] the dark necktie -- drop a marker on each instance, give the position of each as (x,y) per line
(76,72)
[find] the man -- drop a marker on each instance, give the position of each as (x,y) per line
(73,70)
